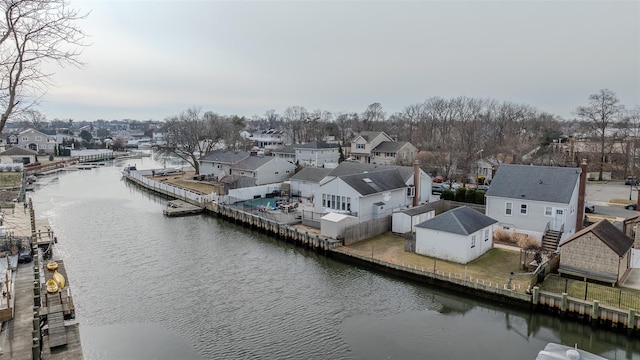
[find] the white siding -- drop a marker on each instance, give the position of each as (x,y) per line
(276,170)
(304,188)
(452,247)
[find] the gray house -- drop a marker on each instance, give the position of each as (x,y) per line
(535,200)
(315,153)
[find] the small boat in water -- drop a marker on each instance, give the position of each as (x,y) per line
(52,265)
(59,279)
(562,352)
(52,286)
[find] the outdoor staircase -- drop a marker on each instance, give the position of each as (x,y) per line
(550,240)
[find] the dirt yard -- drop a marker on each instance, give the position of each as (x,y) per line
(186,181)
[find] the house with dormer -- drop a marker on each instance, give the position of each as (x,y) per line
(33,140)
(537,201)
(376,147)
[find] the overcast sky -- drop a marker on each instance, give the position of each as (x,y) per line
(154,59)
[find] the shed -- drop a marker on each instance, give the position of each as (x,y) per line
(600,252)
(333,224)
(406,220)
(459,235)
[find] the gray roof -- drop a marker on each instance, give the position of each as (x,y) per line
(390,146)
(311,174)
(418,210)
(285,150)
(225,156)
(461,220)
(609,234)
(18,151)
(352,168)
(315,145)
(538,183)
(372,183)
(253,162)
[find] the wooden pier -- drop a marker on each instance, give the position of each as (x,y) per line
(181,208)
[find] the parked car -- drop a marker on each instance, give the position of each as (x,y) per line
(589,208)
(482,187)
(632,206)
(438,179)
(631,180)
(437,189)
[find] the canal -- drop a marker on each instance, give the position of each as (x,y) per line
(146,286)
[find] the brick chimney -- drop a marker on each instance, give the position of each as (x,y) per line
(581,193)
(416,182)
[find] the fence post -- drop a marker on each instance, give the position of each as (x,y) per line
(631,319)
(595,310)
(563,302)
(586,289)
(536,295)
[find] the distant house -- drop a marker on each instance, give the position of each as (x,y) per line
(376,147)
(459,235)
(307,180)
(267,139)
(234,165)
(16,155)
(600,252)
(33,140)
(533,200)
(315,153)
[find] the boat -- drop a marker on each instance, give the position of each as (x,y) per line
(52,286)
(52,265)
(59,279)
(555,351)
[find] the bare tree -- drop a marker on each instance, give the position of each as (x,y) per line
(603,109)
(190,135)
(33,32)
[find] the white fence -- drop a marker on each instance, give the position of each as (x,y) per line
(178,193)
(250,193)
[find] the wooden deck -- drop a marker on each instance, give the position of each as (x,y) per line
(181,208)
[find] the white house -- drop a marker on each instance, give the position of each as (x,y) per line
(404,221)
(267,139)
(367,196)
(533,199)
(17,155)
(220,162)
(315,153)
(307,180)
(459,235)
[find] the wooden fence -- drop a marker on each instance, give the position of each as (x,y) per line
(367,230)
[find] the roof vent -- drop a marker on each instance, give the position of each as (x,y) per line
(367,180)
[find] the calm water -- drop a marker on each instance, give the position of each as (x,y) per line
(151,287)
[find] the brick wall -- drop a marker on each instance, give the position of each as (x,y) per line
(589,253)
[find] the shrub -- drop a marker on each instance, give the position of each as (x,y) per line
(447,195)
(470,196)
(459,195)
(502,236)
(479,197)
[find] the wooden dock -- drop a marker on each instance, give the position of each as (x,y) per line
(181,208)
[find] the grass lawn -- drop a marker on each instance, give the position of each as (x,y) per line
(10,179)
(493,267)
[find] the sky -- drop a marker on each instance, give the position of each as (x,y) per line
(149,60)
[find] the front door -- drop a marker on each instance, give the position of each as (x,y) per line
(558,219)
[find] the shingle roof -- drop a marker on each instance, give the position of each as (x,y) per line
(375,182)
(18,151)
(461,220)
(311,174)
(538,183)
(418,210)
(285,150)
(225,156)
(390,146)
(253,162)
(369,135)
(315,145)
(352,168)
(613,237)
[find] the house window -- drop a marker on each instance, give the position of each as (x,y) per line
(333,202)
(411,191)
(523,209)
(276,173)
(390,154)
(324,200)
(38,138)
(360,146)
(376,153)
(486,234)
(473,241)
(348,204)
(508,208)
(25,138)
(547,211)
(343,203)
